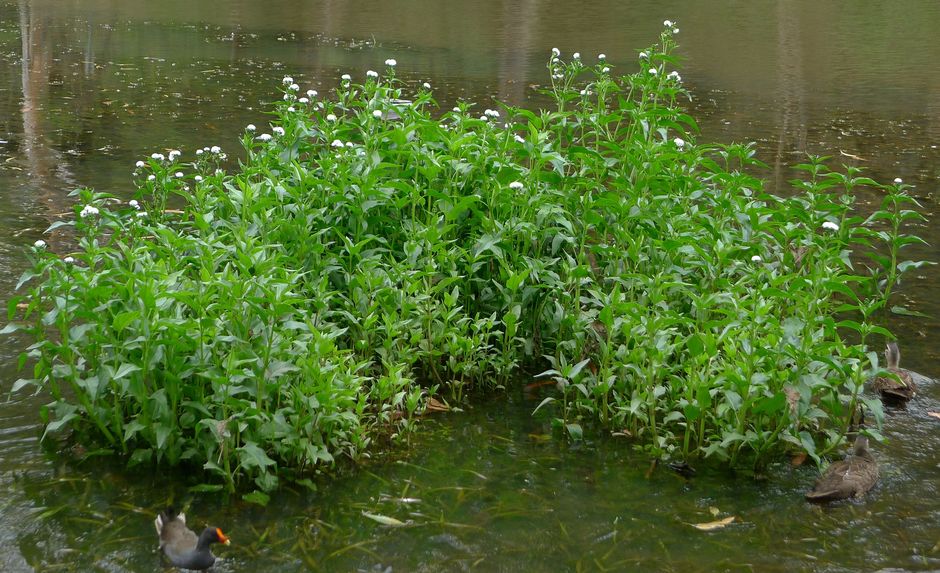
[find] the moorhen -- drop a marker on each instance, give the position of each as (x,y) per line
(180,544)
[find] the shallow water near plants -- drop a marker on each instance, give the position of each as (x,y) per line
(490,488)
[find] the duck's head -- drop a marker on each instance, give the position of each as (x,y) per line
(861,445)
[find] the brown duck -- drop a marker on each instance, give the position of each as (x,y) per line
(181,545)
(851,477)
(896,390)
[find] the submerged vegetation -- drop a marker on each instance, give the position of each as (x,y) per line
(370,252)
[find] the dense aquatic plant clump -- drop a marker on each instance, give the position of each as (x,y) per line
(369,252)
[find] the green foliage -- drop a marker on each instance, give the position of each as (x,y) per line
(282,318)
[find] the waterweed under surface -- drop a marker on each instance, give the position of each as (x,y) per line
(295,311)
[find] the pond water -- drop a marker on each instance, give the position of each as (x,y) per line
(87,88)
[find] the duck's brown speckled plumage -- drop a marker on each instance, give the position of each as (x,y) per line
(898,389)
(851,477)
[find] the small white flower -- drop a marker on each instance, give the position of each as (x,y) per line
(456,109)
(377,113)
(264,137)
(151,177)
(668,23)
(556,52)
(391,62)
(898,181)
(219,172)
(69,260)
(372,74)
(519,138)
(644,55)
(140,164)
(680,143)
(576,55)
(584,92)
(141,214)
(291,109)
(293,87)
(215,149)
(157,156)
(337,143)
(287,97)
(330,117)
(516,185)
(250,127)
(674,75)
(311,93)
(653,71)
(491,113)
(278,130)
(287,80)
(40,244)
(199,152)
(174,154)
(426,85)
(756,259)
(350,144)
(605,69)
(179,174)
(303,100)
(346,77)
(198,178)
(88,211)
(675,30)
(558,76)
(602,57)
(133,203)
(830,225)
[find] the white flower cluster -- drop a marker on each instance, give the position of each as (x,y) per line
(830,226)
(88,211)
(674,75)
(517,185)
(391,62)
(372,74)
(671,25)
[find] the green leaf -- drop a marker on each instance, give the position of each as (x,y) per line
(251,456)
(695,345)
(140,456)
(900,310)
(575,431)
(257,497)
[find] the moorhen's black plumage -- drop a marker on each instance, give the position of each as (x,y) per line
(896,390)
(181,545)
(851,477)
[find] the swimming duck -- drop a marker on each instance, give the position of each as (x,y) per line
(180,544)
(851,477)
(896,390)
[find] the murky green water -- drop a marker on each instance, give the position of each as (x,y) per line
(88,87)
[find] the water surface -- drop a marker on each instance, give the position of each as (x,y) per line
(87,88)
